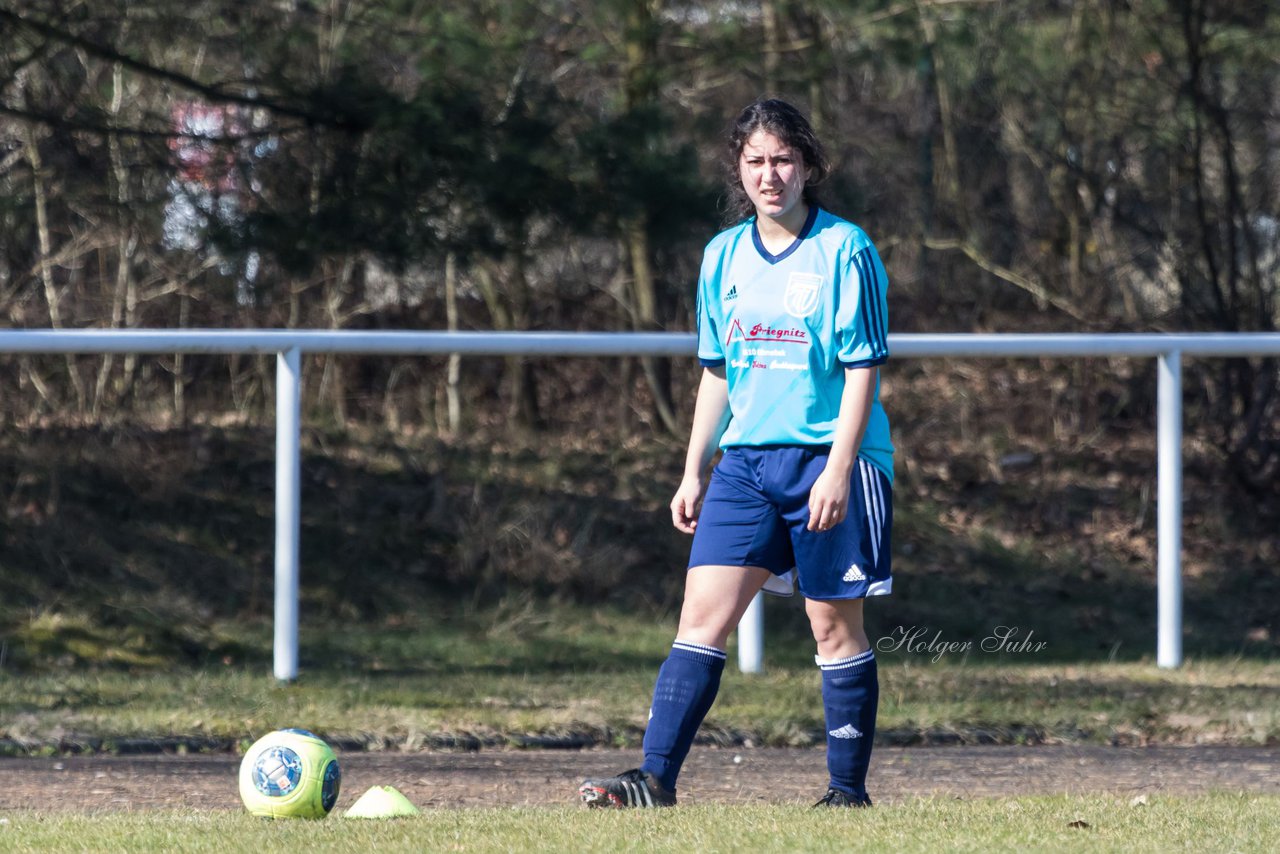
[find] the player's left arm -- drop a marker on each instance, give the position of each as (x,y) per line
(862,345)
(829,496)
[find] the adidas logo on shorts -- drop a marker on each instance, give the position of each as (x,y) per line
(846,731)
(853,573)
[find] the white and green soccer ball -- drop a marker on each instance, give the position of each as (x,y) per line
(290,773)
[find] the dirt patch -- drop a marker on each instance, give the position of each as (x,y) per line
(711,776)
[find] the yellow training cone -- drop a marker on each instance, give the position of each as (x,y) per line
(381,802)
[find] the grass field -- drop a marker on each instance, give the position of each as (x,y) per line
(475,595)
(1219,822)
(509,675)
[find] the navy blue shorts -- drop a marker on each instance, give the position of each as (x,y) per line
(755,512)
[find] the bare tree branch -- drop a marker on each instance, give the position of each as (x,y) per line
(1034,288)
(104,129)
(215,94)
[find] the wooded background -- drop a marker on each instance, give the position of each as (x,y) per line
(1023,165)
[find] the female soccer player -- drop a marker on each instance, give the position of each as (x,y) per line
(792,326)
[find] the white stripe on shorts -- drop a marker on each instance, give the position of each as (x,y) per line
(873,498)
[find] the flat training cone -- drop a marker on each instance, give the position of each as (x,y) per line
(381,802)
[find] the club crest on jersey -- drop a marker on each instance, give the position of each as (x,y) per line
(801,296)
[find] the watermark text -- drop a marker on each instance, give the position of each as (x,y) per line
(922,640)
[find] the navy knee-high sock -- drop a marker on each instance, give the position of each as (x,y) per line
(687,684)
(850,695)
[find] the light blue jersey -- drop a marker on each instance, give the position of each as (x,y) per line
(786,326)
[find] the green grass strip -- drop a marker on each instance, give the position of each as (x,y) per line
(588,676)
(1218,822)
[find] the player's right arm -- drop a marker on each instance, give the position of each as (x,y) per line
(710,418)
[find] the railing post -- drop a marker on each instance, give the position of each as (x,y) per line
(1169,510)
(288,519)
(751,637)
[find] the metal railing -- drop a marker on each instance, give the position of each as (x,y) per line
(289,345)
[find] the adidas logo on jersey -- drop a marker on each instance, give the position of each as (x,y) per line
(846,731)
(853,573)
(732,295)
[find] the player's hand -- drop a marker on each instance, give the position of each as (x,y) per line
(828,500)
(685,504)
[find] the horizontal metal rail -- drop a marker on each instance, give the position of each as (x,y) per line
(290,344)
(377,343)
(413,343)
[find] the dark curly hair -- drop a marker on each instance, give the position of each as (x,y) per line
(792,129)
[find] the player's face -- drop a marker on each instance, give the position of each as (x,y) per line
(774,175)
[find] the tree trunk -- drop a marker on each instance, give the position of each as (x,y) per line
(126,240)
(521,383)
(454,370)
(512,315)
(641,93)
(179,366)
(950,179)
(46,252)
(333,385)
(657,372)
(772,45)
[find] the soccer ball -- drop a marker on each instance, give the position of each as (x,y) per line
(289,773)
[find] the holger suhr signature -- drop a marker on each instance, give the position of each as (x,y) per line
(918,640)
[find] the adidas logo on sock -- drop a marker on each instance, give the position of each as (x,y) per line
(733,294)
(853,573)
(846,731)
